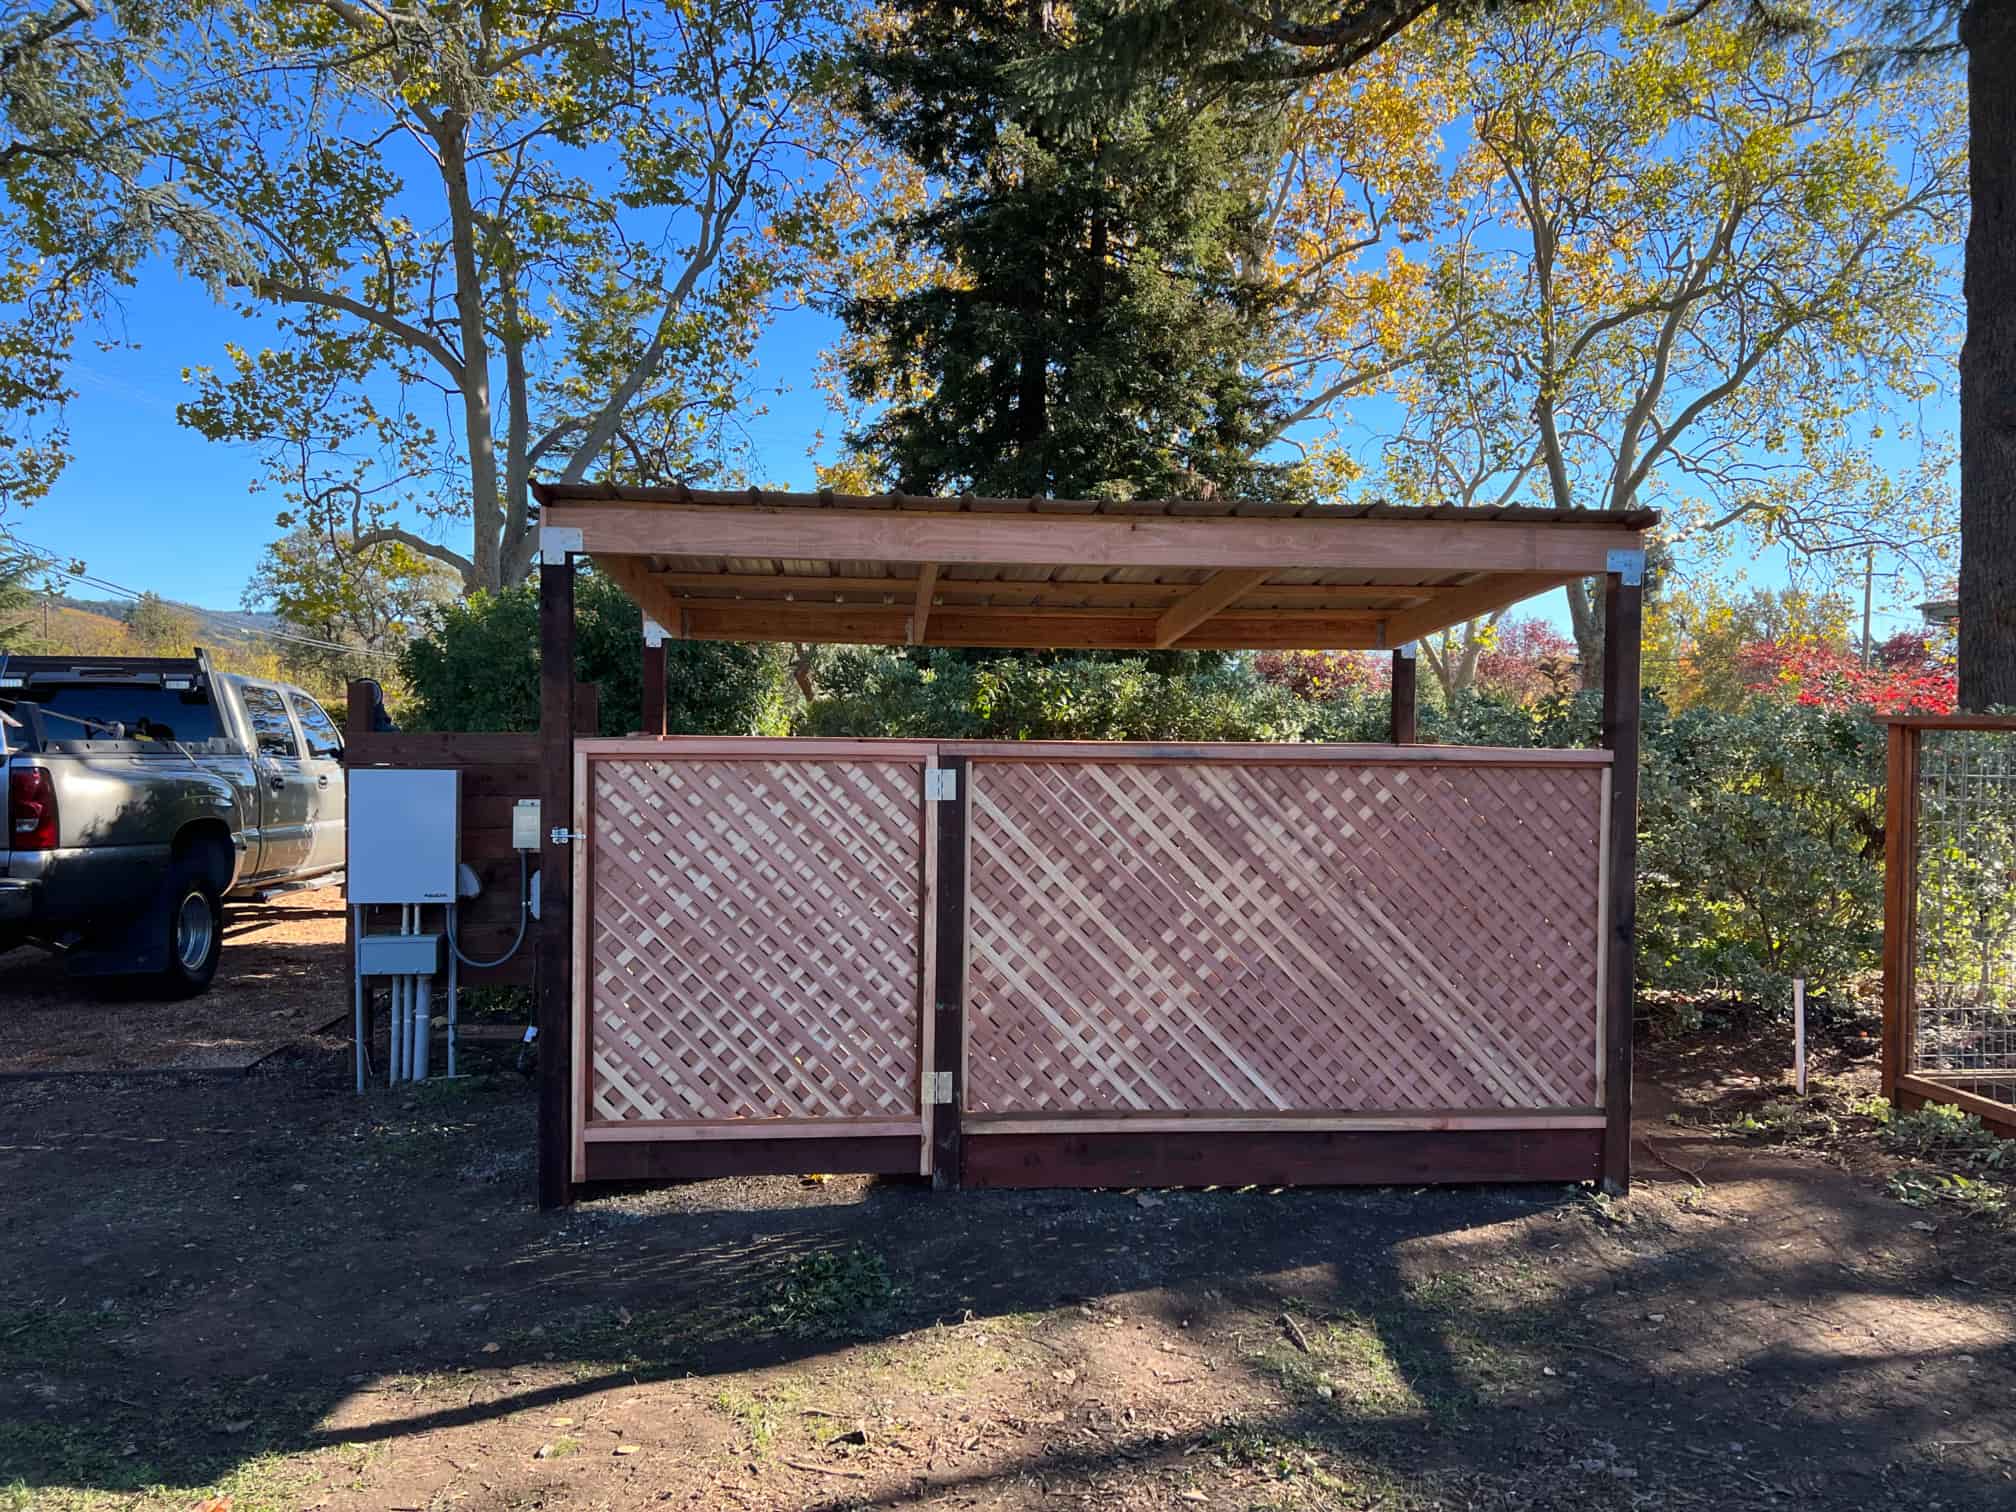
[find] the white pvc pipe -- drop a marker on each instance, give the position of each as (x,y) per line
(1799,1031)
(423,1023)
(396,1071)
(400,1010)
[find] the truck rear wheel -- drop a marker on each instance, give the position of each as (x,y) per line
(194,921)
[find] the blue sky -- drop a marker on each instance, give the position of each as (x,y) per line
(151,505)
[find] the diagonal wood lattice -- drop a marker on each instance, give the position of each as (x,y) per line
(1215,937)
(755,947)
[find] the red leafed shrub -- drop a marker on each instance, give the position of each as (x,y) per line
(1321,675)
(1528,659)
(1903,677)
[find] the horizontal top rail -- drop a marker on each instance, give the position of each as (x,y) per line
(1282,753)
(1951,721)
(759,747)
(1240,752)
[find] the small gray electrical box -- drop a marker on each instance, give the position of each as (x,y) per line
(399,955)
(404,835)
(525,824)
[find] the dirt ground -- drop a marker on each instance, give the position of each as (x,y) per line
(260,1288)
(281,977)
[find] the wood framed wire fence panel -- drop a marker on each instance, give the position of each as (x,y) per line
(1958,965)
(755,956)
(1236,941)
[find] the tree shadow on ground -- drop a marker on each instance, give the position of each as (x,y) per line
(203,1273)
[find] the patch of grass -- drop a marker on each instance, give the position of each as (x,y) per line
(57,1468)
(826,1291)
(759,1413)
(1786,1120)
(1349,1365)
(53,1333)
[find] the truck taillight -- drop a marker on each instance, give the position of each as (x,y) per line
(31,809)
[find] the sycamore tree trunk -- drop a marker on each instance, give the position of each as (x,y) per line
(1988,365)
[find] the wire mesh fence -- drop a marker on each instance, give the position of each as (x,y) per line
(1963,1022)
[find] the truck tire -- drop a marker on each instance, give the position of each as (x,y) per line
(192,917)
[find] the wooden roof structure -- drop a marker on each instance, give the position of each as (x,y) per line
(1189,574)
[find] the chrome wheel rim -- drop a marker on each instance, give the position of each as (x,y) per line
(194,929)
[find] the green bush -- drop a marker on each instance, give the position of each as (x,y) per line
(477,668)
(949,697)
(1760,855)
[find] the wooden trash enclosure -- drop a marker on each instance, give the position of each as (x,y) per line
(1229,944)
(1059,964)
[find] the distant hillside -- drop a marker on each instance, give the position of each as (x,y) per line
(115,609)
(97,627)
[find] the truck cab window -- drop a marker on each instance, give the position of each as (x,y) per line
(324,744)
(272,730)
(89,711)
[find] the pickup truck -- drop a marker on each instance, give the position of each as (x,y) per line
(143,791)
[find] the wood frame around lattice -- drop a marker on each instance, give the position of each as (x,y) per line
(899,1026)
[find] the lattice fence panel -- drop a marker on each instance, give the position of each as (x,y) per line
(755,938)
(1964,975)
(1212,937)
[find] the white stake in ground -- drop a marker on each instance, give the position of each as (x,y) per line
(1799,1032)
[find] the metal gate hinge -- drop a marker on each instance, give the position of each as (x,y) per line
(1628,563)
(937,1086)
(559,836)
(941,785)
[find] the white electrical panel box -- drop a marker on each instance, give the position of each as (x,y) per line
(403,835)
(525,824)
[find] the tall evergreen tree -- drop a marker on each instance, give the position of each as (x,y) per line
(1092,330)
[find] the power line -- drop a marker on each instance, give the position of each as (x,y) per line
(43,559)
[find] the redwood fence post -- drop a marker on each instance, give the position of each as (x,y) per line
(1900,892)
(554,959)
(948,992)
(1623,616)
(654,678)
(1406,695)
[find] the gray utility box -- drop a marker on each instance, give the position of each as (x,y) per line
(399,955)
(404,835)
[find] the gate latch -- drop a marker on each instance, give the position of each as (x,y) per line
(937,1086)
(559,835)
(941,785)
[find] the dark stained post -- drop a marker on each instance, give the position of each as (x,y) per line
(1623,624)
(948,992)
(1406,701)
(654,678)
(554,960)
(357,711)
(1900,890)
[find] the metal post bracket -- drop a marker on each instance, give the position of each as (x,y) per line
(558,542)
(1628,562)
